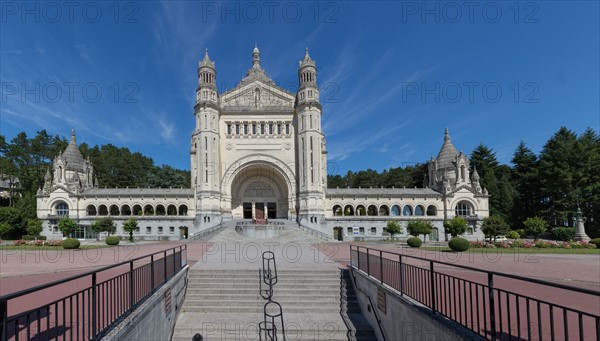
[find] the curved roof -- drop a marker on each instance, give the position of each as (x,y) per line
(206,62)
(72,155)
(447,154)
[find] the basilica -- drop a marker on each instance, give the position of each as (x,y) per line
(258,152)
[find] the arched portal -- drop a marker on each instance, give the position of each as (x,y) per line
(260,191)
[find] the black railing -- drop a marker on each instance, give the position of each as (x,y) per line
(206,232)
(272,312)
(95,302)
(495,305)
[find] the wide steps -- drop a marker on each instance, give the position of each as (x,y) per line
(225,304)
(244,326)
(253,295)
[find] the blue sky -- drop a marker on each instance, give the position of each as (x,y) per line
(393,75)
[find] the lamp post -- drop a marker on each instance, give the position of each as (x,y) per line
(579,228)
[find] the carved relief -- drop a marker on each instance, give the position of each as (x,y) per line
(255,97)
(259,189)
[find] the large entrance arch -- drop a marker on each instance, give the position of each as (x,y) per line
(260,190)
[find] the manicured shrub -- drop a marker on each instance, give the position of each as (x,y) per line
(458,244)
(414,242)
(563,233)
(71,243)
(521,233)
(513,235)
(535,226)
(112,240)
(30,237)
(517,243)
(596,242)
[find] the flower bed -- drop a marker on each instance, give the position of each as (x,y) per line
(52,242)
(543,244)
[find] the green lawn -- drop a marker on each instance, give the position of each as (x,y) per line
(519,250)
(32,247)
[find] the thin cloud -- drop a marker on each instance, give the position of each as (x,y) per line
(167,130)
(341,151)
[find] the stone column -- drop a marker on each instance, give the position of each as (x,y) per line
(253,210)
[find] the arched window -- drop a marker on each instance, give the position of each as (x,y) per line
(91,210)
(349,210)
(102,210)
(125,210)
(137,210)
(384,210)
(372,210)
(407,210)
(160,210)
(419,210)
(337,210)
(395,210)
(464,209)
(361,210)
(62,209)
(171,210)
(114,210)
(183,210)
(431,210)
(148,210)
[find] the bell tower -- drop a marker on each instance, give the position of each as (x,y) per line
(205,152)
(311,152)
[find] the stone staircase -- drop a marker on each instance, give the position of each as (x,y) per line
(226,305)
(223,301)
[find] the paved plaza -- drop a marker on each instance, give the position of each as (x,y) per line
(299,257)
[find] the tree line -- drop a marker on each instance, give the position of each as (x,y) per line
(28,158)
(551,185)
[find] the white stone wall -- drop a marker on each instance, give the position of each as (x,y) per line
(77,211)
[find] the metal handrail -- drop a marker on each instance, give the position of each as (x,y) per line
(315,232)
(107,302)
(206,232)
(496,273)
(268,276)
(442,293)
(16,294)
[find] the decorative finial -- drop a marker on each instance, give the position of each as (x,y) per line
(256,57)
(447,134)
(73,135)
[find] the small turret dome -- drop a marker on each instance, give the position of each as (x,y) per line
(475,175)
(447,154)
(72,155)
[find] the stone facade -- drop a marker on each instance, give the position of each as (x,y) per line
(258,152)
